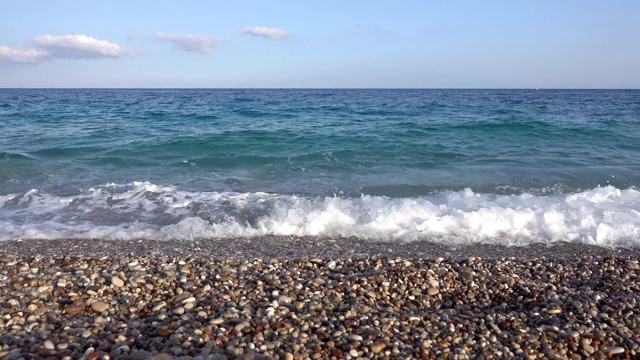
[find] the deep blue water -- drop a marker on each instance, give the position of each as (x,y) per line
(469,165)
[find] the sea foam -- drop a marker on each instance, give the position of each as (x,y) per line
(605,216)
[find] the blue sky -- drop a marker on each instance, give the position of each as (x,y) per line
(389,44)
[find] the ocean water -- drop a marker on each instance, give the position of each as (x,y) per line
(460,166)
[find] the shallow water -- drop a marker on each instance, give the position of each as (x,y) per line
(459,166)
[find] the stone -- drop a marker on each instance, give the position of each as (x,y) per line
(254,356)
(433,291)
(99,306)
(75,308)
(614,350)
(40,311)
(377,347)
(140,355)
(162,357)
(117,282)
(48,344)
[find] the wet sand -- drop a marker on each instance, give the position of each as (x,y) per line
(303,247)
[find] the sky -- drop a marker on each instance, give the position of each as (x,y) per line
(320,44)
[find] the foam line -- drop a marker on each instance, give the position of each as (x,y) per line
(605,216)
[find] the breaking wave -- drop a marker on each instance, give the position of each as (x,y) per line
(605,216)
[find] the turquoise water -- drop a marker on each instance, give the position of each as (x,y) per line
(508,166)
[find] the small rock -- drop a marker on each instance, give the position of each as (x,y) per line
(99,306)
(49,345)
(433,291)
(614,350)
(189,300)
(552,355)
(254,356)
(162,357)
(93,356)
(139,355)
(159,306)
(40,311)
(74,309)
(377,347)
(117,282)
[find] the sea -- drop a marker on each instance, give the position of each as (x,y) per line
(507,167)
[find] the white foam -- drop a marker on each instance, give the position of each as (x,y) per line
(603,216)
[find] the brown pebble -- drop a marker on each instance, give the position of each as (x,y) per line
(164,332)
(377,347)
(74,309)
(93,356)
(99,306)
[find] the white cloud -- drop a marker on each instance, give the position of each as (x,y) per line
(193,43)
(29,56)
(269,33)
(80,47)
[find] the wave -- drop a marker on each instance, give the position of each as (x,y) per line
(15,156)
(605,216)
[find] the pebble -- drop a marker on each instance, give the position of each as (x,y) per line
(140,355)
(433,291)
(99,306)
(614,350)
(117,282)
(377,347)
(358,307)
(74,309)
(40,311)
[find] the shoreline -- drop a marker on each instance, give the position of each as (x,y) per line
(273,247)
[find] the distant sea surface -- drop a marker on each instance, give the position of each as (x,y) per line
(460,166)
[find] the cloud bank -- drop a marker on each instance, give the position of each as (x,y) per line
(80,47)
(192,43)
(265,32)
(29,56)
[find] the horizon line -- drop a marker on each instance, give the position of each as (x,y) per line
(306,88)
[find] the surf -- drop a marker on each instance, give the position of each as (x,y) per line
(605,216)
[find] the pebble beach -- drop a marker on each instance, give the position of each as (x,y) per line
(196,300)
